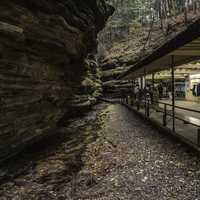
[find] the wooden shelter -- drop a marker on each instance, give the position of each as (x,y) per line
(174,55)
(181,49)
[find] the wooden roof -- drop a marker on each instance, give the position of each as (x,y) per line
(185,47)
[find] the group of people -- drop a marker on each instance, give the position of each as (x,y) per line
(165,91)
(146,93)
(151,93)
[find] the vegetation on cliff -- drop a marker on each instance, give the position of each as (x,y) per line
(137,27)
(46,65)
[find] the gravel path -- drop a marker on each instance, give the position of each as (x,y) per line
(129,160)
(141,163)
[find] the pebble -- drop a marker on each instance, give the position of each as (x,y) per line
(143,165)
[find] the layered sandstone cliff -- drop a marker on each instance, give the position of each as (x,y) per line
(45,70)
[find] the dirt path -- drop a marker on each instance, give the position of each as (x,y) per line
(136,162)
(128,160)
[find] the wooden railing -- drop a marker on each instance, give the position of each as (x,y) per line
(146,105)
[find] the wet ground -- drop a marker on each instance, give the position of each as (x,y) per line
(108,154)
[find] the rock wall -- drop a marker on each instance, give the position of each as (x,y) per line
(45,70)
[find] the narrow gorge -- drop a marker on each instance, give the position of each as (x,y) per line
(87,89)
(48,70)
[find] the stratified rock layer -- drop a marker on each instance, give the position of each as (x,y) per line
(43,68)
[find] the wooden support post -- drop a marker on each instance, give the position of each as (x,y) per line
(173,93)
(126,99)
(145,92)
(141,83)
(185,14)
(132,92)
(148,108)
(138,106)
(198,137)
(153,80)
(165,116)
(153,88)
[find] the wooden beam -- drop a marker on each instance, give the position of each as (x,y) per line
(191,34)
(173,94)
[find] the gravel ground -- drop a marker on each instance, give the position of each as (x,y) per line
(46,170)
(132,160)
(129,160)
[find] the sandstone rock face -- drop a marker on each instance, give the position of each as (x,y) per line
(45,72)
(128,37)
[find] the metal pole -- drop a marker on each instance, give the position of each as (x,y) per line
(173,93)
(153,87)
(148,108)
(133,93)
(145,92)
(141,83)
(165,116)
(198,137)
(153,80)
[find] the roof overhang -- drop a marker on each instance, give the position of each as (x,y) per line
(185,47)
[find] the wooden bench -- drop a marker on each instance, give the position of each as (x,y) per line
(186,119)
(190,120)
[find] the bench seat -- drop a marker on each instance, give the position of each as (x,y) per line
(186,119)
